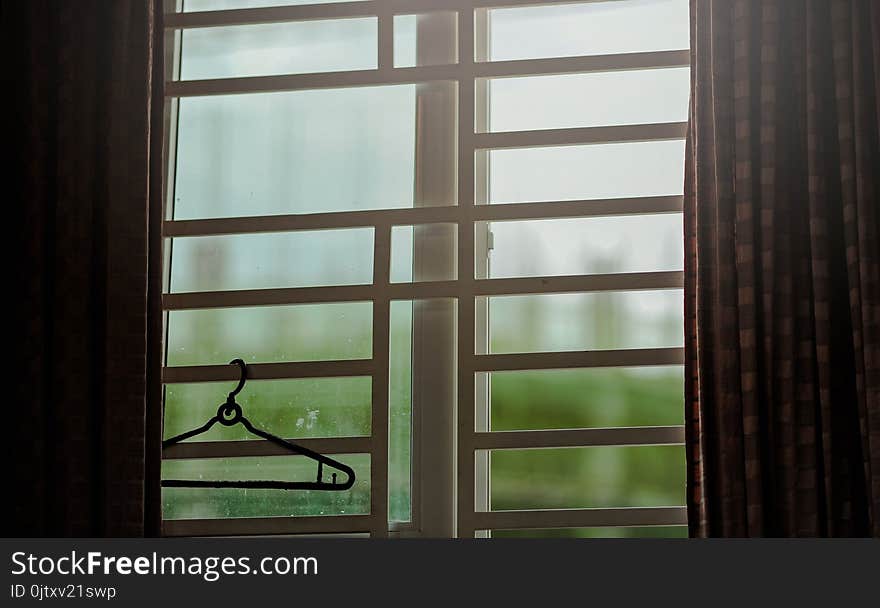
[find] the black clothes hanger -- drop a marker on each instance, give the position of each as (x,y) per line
(228,414)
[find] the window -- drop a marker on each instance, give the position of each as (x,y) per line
(446,237)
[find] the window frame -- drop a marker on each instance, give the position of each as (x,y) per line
(459,407)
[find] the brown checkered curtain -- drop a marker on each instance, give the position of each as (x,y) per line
(782,288)
(83,189)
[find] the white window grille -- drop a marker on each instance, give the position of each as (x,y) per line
(451,279)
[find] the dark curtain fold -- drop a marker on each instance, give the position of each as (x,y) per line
(782,288)
(85,187)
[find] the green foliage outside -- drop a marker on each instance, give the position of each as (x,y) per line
(557,478)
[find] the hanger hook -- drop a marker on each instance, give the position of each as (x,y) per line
(241,379)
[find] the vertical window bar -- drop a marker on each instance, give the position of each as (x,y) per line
(433,340)
(173,54)
(379,416)
(385,38)
(481,263)
(466,302)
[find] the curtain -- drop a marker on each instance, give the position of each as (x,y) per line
(85,184)
(782,269)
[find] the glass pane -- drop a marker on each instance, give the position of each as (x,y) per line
(598,245)
(400,412)
(589,100)
(596,171)
(307,332)
(595,477)
(306,407)
(619,532)
(428,39)
(412,371)
(279,48)
(283,259)
(586,321)
(587,398)
(405,37)
(423,253)
(296,152)
(595,28)
(197,503)
(222,5)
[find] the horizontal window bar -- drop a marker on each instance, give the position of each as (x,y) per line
(642,60)
(268,371)
(266,297)
(423,215)
(414,75)
(563,438)
(240,526)
(582,135)
(578,208)
(586,358)
(270,14)
(627,281)
(307,221)
(236,449)
(303,82)
(308,295)
(581,518)
(336,10)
